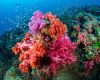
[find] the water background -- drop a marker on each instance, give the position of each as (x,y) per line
(15,12)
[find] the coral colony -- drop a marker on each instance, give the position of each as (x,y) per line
(46,38)
(48,46)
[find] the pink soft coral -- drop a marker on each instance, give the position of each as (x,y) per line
(82,37)
(88,66)
(37,22)
(61,53)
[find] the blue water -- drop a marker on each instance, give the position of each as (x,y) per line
(10,9)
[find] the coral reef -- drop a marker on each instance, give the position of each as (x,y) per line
(65,47)
(60,49)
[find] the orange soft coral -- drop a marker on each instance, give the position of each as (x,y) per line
(24,66)
(15,49)
(57,28)
(31,49)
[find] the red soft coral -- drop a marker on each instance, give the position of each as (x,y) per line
(57,28)
(24,66)
(31,49)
